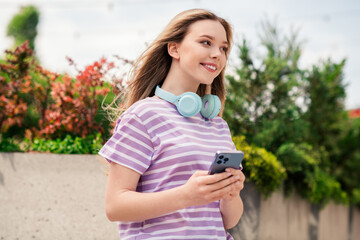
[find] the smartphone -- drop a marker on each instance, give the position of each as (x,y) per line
(226,159)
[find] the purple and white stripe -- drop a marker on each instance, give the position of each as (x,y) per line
(166,149)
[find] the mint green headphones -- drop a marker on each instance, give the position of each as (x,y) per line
(189,104)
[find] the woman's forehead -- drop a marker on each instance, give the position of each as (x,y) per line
(210,28)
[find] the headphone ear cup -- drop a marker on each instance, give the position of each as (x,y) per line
(188,104)
(211,106)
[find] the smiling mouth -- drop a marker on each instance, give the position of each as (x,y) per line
(211,68)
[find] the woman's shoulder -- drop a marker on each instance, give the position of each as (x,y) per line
(147,106)
(221,122)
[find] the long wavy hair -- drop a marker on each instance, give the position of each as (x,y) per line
(153,65)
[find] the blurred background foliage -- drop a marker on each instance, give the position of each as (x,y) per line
(23,26)
(290,121)
(298,115)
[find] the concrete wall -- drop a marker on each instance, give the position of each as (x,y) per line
(48,196)
(288,215)
(293,218)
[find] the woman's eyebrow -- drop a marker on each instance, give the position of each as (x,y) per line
(212,38)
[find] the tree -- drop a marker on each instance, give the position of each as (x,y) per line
(23,26)
(346,159)
(326,95)
(297,114)
(262,100)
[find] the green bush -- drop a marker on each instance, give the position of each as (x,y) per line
(347,167)
(324,188)
(69,145)
(356,197)
(9,145)
(261,167)
(305,174)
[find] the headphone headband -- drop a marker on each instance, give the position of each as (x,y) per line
(165,95)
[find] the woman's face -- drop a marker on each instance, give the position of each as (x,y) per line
(202,52)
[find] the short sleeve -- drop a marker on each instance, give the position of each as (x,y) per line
(130,145)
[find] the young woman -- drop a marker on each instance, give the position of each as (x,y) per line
(162,146)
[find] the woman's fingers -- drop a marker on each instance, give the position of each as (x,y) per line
(223,183)
(236,172)
(211,179)
(225,192)
(203,188)
(235,187)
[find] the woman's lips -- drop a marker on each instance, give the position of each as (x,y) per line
(210,66)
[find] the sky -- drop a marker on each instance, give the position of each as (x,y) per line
(87,30)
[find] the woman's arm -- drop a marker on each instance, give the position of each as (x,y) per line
(231,211)
(123,203)
(231,206)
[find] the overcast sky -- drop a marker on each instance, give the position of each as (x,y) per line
(86,30)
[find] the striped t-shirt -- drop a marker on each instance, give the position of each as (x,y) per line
(153,139)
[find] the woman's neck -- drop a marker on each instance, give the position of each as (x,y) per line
(177,83)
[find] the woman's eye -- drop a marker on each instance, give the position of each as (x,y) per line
(206,43)
(224,49)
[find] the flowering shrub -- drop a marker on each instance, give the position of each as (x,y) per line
(76,103)
(261,166)
(15,86)
(37,103)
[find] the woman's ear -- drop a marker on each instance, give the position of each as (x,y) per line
(173,50)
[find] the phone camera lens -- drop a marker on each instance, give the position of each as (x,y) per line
(226,159)
(221,156)
(219,162)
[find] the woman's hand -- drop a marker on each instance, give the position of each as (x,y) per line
(231,205)
(237,186)
(202,188)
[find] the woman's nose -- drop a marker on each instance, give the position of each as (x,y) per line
(215,52)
